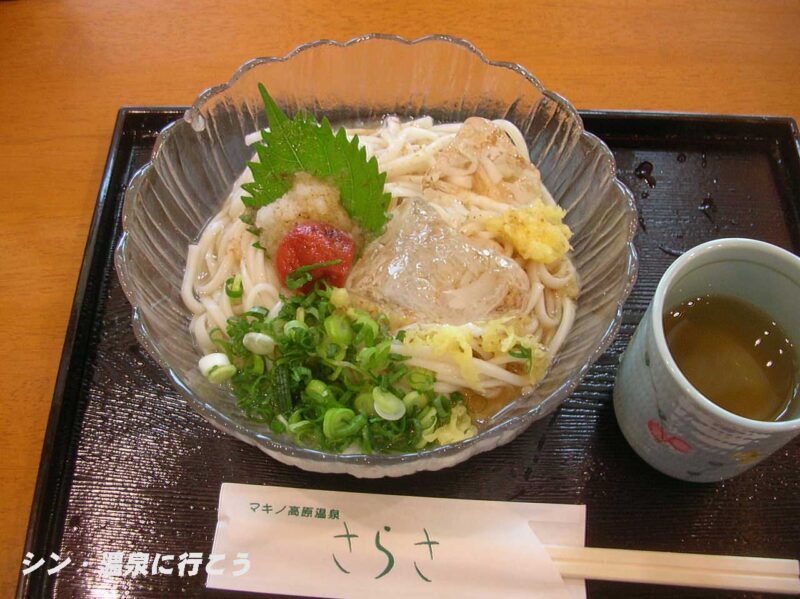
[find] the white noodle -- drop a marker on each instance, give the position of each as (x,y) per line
(224,270)
(214,313)
(515,135)
(200,329)
(541,313)
(224,303)
(264,291)
(567,318)
(187,291)
(552,281)
(405,152)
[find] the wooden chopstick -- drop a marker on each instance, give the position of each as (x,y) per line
(733,563)
(678,569)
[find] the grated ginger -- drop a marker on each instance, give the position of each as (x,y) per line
(500,336)
(459,427)
(454,342)
(536,231)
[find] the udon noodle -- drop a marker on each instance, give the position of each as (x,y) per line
(425,167)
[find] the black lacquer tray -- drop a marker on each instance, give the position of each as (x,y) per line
(128,467)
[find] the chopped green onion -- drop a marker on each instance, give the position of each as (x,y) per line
(366,328)
(326,376)
(421,380)
(281,389)
(295,417)
(387,405)
(340,423)
(331,351)
(365,403)
(296,427)
(427,423)
(414,401)
(208,362)
(319,392)
(257,312)
(258,365)
(258,246)
(234,288)
(259,343)
(375,358)
(291,327)
(299,277)
(524,353)
(339,297)
(442,404)
(220,374)
(366,440)
(338,329)
(428,418)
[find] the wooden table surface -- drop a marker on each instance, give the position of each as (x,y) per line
(66,67)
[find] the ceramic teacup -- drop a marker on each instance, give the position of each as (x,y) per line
(669,423)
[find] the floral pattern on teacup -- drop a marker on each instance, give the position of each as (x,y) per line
(747,457)
(661,436)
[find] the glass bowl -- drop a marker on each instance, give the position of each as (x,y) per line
(197,159)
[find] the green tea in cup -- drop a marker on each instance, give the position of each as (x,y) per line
(735,355)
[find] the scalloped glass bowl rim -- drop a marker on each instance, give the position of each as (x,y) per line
(545,406)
